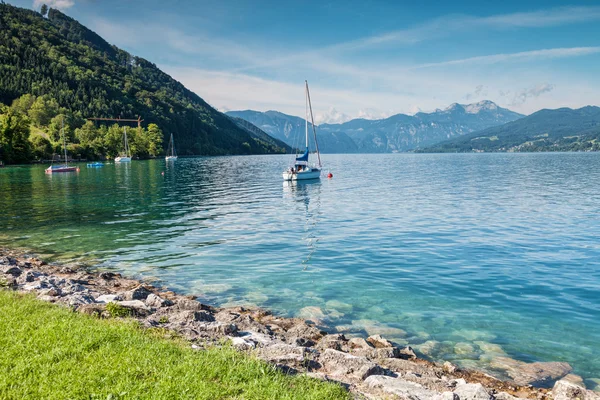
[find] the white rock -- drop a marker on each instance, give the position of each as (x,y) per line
(241,343)
(472,391)
(504,396)
(446,396)
(402,388)
(565,390)
(339,363)
(108,298)
(133,304)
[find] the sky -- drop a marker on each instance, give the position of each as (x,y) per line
(368,59)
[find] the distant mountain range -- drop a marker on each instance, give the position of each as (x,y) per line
(563,129)
(397,133)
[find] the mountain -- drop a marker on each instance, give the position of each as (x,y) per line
(563,129)
(397,133)
(61,59)
(270,143)
(291,130)
(402,132)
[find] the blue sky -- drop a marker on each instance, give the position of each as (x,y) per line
(362,58)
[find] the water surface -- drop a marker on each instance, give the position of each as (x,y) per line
(432,250)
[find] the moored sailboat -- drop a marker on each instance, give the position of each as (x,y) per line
(63,167)
(171,155)
(301,170)
(126,157)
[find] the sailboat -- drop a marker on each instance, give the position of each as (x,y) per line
(171,155)
(126,157)
(64,167)
(301,170)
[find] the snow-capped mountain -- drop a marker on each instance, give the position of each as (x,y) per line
(399,132)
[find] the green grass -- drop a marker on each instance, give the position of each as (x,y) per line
(49,352)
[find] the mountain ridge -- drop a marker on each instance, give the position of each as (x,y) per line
(561,129)
(399,132)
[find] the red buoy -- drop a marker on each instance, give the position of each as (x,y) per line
(330,175)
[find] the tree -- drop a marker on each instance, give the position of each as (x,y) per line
(44,10)
(14,137)
(43,110)
(23,103)
(154,137)
(42,148)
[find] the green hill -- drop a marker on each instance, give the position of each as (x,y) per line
(59,59)
(563,129)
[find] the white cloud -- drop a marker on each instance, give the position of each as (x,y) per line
(520,56)
(532,92)
(332,116)
(239,92)
(59,4)
(242,74)
(137,34)
(451,23)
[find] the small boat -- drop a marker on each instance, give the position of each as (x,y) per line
(171,155)
(96,164)
(301,170)
(64,167)
(126,157)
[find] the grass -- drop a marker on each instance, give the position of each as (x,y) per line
(49,352)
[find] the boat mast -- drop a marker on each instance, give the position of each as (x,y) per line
(64,141)
(306,112)
(312,120)
(125,141)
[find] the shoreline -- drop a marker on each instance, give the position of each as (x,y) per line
(372,366)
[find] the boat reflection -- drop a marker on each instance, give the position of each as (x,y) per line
(306,195)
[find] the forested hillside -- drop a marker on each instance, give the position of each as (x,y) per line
(64,63)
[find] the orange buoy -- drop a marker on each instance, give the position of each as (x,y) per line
(330,175)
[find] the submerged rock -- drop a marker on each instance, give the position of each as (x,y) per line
(373,327)
(537,374)
(311,313)
(463,348)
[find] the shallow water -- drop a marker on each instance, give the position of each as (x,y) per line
(451,253)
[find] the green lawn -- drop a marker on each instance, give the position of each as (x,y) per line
(48,352)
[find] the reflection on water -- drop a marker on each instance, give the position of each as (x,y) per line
(465,257)
(301,193)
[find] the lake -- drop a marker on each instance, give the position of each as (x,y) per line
(463,256)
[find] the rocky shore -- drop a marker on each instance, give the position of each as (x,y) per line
(371,367)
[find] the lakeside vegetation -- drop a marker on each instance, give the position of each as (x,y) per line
(51,352)
(70,70)
(32,129)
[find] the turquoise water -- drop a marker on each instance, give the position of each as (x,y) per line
(499,253)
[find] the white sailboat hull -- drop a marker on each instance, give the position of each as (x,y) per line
(123,159)
(171,158)
(312,173)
